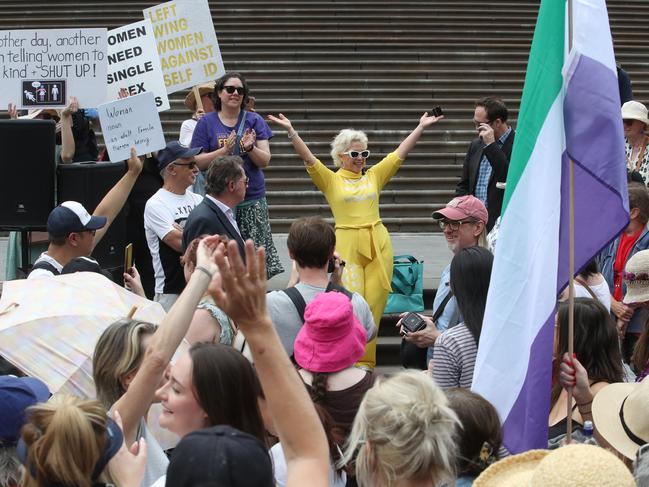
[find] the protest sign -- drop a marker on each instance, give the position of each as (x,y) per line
(133,63)
(187,45)
(41,68)
(131,122)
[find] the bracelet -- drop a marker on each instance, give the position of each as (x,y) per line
(203,269)
(292,134)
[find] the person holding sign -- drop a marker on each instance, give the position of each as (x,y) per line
(353,194)
(233,130)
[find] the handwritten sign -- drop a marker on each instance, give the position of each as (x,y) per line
(133,63)
(41,68)
(131,122)
(187,45)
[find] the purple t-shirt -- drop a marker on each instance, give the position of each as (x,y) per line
(210,134)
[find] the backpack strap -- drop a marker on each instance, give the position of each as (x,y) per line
(237,145)
(297,299)
(442,306)
(46,266)
(341,289)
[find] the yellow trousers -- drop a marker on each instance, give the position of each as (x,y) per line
(365,275)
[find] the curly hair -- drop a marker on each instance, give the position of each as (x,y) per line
(343,140)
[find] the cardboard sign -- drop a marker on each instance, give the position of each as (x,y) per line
(133,63)
(187,46)
(41,68)
(131,122)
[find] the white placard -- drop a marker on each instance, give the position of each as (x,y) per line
(187,45)
(43,68)
(131,122)
(133,63)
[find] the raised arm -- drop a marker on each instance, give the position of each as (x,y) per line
(68,146)
(409,142)
(300,147)
(135,402)
(240,292)
(114,200)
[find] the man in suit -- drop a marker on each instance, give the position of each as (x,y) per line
(487,160)
(225,188)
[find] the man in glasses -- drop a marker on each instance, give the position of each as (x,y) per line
(487,160)
(165,214)
(463,222)
(225,188)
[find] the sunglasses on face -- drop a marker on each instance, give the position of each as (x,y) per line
(189,165)
(231,89)
(355,153)
(453,225)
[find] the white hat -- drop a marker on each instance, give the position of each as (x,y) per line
(634,110)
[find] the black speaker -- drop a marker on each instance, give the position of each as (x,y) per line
(26,173)
(88,183)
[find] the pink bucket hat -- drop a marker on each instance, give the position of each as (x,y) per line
(331,339)
(463,207)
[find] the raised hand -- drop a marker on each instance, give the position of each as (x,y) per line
(13,111)
(72,107)
(127,466)
(123,93)
(282,121)
(230,141)
(134,162)
(573,375)
(426,120)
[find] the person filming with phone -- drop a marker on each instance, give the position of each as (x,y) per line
(486,163)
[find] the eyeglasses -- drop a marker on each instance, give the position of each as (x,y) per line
(190,164)
(453,225)
(231,89)
(627,122)
(354,153)
(246,180)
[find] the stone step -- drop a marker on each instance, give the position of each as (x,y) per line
(397,182)
(387,196)
(406,224)
(387,210)
(414,158)
(407,169)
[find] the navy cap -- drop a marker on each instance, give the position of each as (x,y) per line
(220,455)
(16,395)
(71,216)
(174,151)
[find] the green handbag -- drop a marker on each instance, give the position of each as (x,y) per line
(407,285)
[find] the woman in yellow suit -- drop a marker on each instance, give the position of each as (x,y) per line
(361,239)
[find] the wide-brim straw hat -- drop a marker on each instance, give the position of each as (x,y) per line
(575,465)
(32,114)
(634,110)
(204,89)
(636,278)
(621,415)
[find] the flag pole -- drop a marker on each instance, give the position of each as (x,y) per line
(571,258)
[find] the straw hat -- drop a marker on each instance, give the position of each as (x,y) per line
(512,471)
(636,278)
(574,465)
(634,110)
(621,413)
(204,89)
(32,114)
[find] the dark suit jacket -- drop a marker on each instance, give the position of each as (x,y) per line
(499,160)
(208,219)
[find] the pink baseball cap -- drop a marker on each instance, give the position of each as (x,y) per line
(332,338)
(463,207)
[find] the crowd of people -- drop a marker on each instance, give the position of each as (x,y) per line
(279,388)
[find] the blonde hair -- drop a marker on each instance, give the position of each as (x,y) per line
(118,352)
(65,439)
(406,430)
(343,140)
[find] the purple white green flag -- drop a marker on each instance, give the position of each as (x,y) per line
(570,109)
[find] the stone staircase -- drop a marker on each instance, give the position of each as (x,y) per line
(375,65)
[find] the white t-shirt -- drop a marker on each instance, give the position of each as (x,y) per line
(280,469)
(600,290)
(162,210)
(44,272)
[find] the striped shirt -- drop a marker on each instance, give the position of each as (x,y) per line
(454,355)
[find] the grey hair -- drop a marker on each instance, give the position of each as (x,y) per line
(343,140)
(406,430)
(641,468)
(222,171)
(10,467)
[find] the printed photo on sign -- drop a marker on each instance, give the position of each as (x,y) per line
(187,45)
(133,63)
(131,122)
(36,93)
(44,67)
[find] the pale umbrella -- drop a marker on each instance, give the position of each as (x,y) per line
(49,326)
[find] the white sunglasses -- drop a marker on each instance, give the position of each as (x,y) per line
(354,153)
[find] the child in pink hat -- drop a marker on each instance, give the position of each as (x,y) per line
(326,348)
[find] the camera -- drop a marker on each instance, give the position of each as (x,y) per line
(437,112)
(332,265)
(413,322)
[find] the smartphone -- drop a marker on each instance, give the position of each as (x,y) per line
(413,322)
(128,257)
(437,112)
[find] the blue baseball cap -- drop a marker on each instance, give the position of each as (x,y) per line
(174,151)
(16,395)
(70,217)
